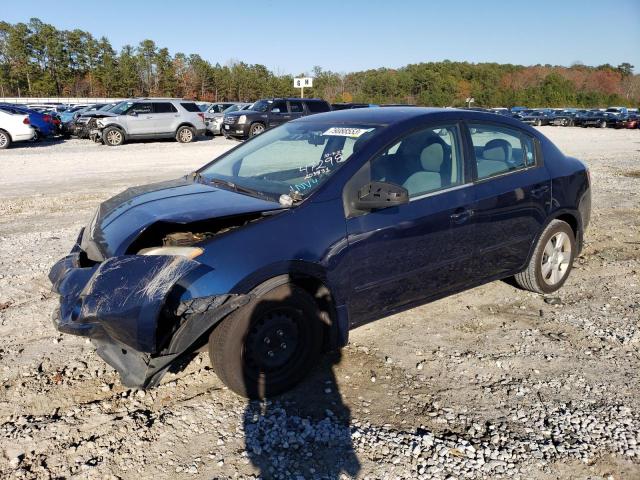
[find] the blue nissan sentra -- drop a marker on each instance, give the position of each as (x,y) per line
(269,254)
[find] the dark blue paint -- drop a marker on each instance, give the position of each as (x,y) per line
(373,264)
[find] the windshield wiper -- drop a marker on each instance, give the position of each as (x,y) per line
(239,188)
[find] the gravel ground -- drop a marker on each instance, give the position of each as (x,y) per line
(490,383)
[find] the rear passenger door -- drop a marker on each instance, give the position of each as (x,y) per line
(165,116)
(296,109)
(513,194)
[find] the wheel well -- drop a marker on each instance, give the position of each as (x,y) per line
(572,221)
(325,302)
(7,133)
(185,124)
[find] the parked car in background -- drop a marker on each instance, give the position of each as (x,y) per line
(348,106)
(596,118)
(213,121)
(86,120)
(617,110)
(216,107)
(629,120)
(562,118)
(68,114)
(270,253)
(535,117)
(151,118)
(15,127)
(269,113)
(42,123)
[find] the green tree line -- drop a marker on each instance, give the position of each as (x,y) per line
(37,59)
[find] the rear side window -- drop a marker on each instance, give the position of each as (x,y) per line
(317,107)
(190,107)
(164,107)
(296,106)
(500,149)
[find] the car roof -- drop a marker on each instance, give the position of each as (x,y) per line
(388,115)
(396,115)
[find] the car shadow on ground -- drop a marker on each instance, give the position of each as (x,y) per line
(304,433)
(44,142)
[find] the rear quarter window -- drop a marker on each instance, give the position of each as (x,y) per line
(318,107)
(190,107)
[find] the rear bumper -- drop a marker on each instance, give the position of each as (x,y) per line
(120,305)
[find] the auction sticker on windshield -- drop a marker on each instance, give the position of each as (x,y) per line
(346,132)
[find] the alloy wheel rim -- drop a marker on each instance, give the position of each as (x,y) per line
(257,129)
(114,137)
(556,258)
(186,135)
(3,139)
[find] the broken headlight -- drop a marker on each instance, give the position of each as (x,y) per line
(188,252)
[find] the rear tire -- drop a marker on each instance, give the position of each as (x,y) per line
(5,139)
(551,261)
(603,124)
(112,136)
(185,134)
(269,345)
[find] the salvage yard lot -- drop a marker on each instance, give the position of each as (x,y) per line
(491,382)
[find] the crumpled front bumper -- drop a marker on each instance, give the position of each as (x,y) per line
(119,303)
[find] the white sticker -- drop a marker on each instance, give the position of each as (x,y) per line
(346,132)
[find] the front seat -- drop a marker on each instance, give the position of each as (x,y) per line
(429,177)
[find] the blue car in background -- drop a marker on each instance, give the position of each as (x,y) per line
(269,254)
(43,123)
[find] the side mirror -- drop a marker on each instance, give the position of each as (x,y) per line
(275,110)
(377,195)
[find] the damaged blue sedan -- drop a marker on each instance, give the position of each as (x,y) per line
(271,253)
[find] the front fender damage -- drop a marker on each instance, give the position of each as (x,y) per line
(121,305)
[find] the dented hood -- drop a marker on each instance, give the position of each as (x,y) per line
(121,219)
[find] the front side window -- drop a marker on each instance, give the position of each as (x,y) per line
(423,162)
(500,150)
(140,108)
(293,159)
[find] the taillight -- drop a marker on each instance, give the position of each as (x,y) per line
(26,121)
(47,118)
(201,115)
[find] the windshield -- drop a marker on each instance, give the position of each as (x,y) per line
(261,106)
(294,159)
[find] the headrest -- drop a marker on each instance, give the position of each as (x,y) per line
(498,150)
(432,157)
(362,140)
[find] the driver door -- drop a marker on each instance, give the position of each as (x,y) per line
(402,256)
(140,119)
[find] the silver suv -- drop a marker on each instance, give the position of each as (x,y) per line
(151,118)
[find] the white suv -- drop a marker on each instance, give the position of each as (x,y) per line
(151,118)
(14,128)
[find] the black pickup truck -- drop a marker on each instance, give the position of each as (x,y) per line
(269,113)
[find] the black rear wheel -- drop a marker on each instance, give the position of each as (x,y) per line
(268,346)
